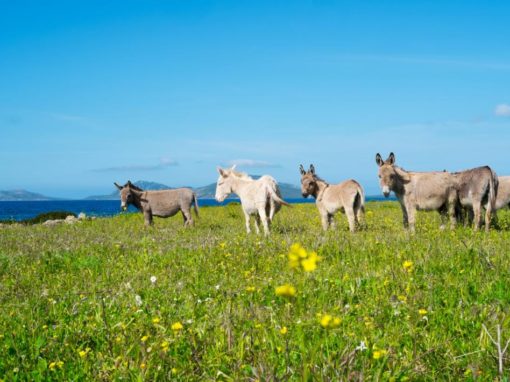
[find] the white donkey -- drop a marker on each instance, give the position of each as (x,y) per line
(259,197)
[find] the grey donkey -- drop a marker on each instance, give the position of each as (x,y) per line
(161,203)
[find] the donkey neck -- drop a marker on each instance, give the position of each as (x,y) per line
(137,200)
(399,187)
(319,190)
(238,185)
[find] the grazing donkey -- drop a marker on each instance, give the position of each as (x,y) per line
(477,188)
(347,197)
(161,203)
(259,197)
(427,191)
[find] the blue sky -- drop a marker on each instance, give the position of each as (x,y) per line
(93,92)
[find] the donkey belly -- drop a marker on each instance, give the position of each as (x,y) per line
(165,211)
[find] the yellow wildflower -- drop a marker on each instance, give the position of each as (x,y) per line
(286,290)
(284,330)
(310,263)
(250,289)
(145,338)
(143,366)
(378,354)
(408,265)
(156,320)
(165,345)
(174,370)
(422,312)
(176,326)
(327,321)
(299,257)
(52,365)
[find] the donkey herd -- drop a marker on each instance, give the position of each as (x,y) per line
(460,196)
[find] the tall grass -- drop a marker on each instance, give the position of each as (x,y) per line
(109,299)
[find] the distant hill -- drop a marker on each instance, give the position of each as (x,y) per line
(206,192)
(143,184)
(22,195)
(288,190)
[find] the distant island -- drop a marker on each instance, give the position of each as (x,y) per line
(22,196)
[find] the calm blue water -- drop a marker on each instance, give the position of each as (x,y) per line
(28,209)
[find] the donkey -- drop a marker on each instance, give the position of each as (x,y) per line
(477,188)
(502,201)
(503,196)
(163,203)
(347,197)
(259,197)
(427,191)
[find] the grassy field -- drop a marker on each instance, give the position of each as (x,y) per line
(108,299)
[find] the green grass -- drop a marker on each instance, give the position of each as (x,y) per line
(69,310)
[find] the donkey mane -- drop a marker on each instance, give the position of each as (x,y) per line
(239,174)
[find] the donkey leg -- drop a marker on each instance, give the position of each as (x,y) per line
(405,217)
(188,219)
(148,218)
(411,215)
(351,219)
(324,219)
(331,221)
(488,214)
(247,221)
(360,216)
(477,216)
(257,223)
(453,216)
(264,219)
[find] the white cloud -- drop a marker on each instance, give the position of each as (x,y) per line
(163,163)
(503,110)
(251,163)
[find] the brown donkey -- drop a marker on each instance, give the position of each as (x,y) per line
(477,188)
(161,203)
(429,191)
(347,197)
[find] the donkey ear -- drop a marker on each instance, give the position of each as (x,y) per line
(221,171)
(391,159)
(116,185)
(312,169)
(302,169)
(378,160)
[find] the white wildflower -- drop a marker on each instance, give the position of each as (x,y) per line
(153,279)
(138,300)
(362,346)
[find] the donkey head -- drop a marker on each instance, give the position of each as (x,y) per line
(308,181)
(388,176)
(224,184)
(128,194)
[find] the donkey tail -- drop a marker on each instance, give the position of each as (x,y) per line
(359,199)
(493,191)
(274,195)
(195,204)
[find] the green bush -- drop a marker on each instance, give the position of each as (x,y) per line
(52,215)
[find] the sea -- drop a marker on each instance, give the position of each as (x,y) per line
(22,210)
